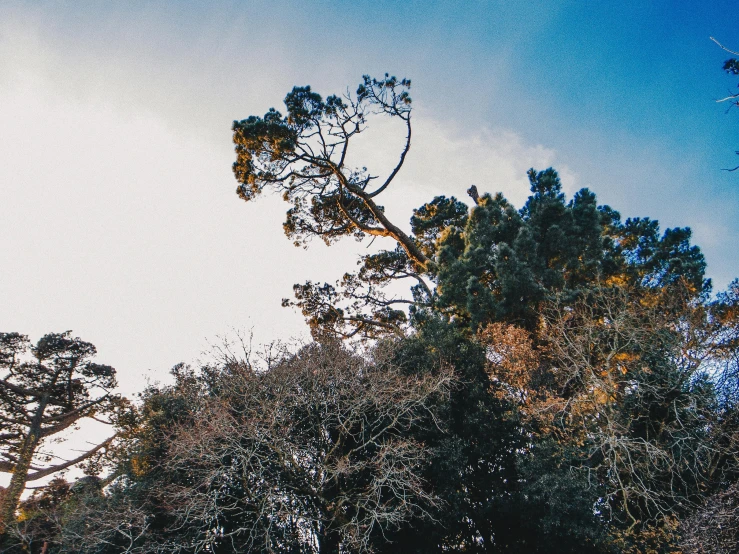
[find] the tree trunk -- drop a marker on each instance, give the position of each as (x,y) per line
(328,542)
(17,484)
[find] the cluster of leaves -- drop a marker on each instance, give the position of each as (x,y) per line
(555,380)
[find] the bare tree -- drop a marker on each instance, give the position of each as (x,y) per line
(311,455)
(714,528)
(111,522)
(635,373)
(78,518)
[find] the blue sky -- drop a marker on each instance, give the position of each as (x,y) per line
(120,219)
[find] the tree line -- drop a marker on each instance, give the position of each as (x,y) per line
(555,379)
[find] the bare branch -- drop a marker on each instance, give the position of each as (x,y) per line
(53,469)
(724,47)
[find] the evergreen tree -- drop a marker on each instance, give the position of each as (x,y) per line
(44,390)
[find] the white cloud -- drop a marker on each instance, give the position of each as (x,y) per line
(446,159)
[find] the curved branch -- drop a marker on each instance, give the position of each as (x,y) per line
(53,469)
(77,411)
(367,321)
(392,175)
(375,231)
(20,390)
(731,97)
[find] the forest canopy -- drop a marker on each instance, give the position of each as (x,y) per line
(554,378)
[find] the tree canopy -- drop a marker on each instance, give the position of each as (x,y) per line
(626,346)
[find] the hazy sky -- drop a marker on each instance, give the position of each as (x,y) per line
(119,219)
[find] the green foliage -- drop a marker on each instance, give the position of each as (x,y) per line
(501,492)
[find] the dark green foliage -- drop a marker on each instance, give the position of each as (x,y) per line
(731,66)
(432,219)
(501,494)
(655,261)
(503,263)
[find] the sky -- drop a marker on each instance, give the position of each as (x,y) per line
(119,218)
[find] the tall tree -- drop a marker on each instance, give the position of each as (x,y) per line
(304,156)
(304,153)
(44,390)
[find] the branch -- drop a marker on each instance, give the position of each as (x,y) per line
(9,467)
(730,97)
(53,469)
(404,240)
(64,424)
(400,163)
(20,390)
(421,282)
(77,411)
(724,47)
(367,321)
(375,231)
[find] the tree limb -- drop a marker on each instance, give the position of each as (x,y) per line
(49,470)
